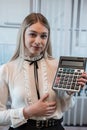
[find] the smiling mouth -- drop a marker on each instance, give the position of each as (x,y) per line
(36,47)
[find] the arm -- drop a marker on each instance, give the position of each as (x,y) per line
(67,101)
(67,98)
(12,117)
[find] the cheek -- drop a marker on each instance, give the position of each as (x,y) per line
(28,42)
(44,44)
(43,47)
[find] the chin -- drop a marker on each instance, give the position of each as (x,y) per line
(35,54)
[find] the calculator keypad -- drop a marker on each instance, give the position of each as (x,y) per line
(66,78)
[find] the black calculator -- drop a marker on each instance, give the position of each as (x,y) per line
(68,71)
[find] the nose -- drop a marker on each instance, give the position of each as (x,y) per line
(38,40)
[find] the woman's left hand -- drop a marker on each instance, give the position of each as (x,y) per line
(83,80)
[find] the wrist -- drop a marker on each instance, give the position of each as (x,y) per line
(28,112)
(25,113)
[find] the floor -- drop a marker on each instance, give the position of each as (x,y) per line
(75,128)
(66,128)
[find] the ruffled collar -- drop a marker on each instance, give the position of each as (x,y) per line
(36,58)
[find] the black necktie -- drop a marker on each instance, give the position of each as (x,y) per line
(36,73)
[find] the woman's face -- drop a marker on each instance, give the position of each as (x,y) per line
(36,37)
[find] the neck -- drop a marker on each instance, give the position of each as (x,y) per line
(34,58)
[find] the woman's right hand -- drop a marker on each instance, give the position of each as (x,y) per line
(41,108)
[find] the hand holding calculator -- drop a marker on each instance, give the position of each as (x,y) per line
(68,71)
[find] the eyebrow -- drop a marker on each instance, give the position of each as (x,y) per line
(37,32)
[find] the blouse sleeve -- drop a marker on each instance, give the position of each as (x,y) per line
(66,101)
(11,117)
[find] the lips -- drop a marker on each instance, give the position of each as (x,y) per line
(36,47)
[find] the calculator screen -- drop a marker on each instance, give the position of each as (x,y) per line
(72,63)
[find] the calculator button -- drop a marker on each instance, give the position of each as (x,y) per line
(56,86)
(74,80)
(72,87)
(59,72)
(61,82)
(73,83)
(79,70)
(63,75)
(62,78)
(64,69)
(70,79)
(58,75)
(76,73)
(79,73)
(68,86)
(68,83)
(65,83)
(70,75)
(77,87)
(66,76)
(60,86)
(72,70)
(75,76)
(67,72)
(64,86)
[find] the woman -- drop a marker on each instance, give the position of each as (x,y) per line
(27,80)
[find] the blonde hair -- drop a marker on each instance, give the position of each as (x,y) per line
(28,21)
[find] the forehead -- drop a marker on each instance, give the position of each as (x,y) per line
(38,27)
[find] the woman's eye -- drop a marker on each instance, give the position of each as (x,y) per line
(32,35)
(43,36)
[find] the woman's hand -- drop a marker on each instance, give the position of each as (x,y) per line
(83,80)
(41,108)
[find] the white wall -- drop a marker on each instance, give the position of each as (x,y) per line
(67,18)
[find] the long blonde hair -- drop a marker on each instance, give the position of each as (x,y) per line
(28,21)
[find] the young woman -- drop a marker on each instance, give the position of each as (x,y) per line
(27,81)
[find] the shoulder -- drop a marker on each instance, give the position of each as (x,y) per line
(52,62)
(3,72)
(8,66)
(3,68)
(9,70)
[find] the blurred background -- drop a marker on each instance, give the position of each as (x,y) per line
(68,22)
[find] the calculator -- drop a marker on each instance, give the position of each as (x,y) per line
(68,71)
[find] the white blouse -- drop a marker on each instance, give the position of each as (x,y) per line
(19,86)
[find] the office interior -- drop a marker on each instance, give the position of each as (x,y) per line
(68,22)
